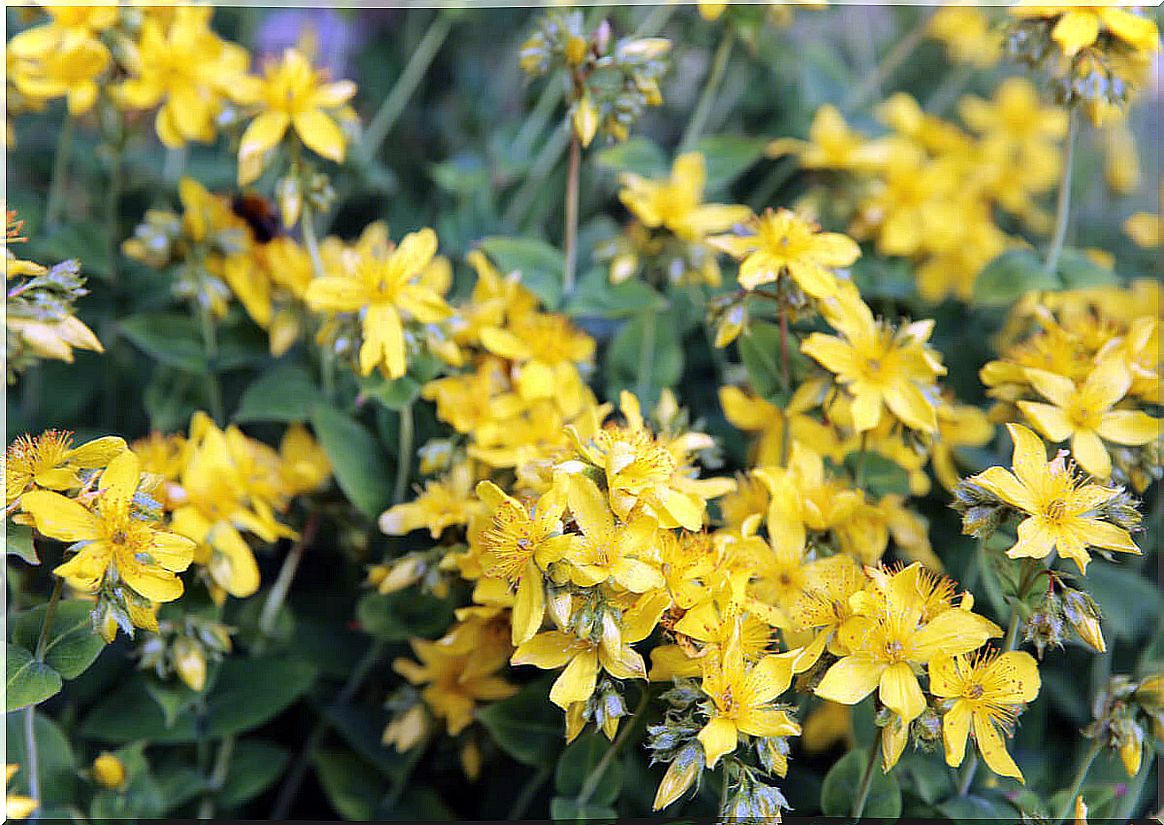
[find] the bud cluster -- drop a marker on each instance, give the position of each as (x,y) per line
(40,320)
(185,648)
(1124,713)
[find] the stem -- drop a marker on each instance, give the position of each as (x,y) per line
(290,787)
(50,614)
(109,333)
(646,354)
(31,754)
(400,785)
(175,164)
(545,161)
(56,195)
(570,247)
(723,790)
(282,584)
(1077,782)
(785,363)
(654,21)
(707,98)
(595,777)
(1010,641)
(1131,800)
(406,84)
(781,173)
(525,796)
(404,455)
(859,480)
(310,238)
(968,774)
(952,86)
(867,777)
(210,346)
(217,777)
(1063,205)
(890,63)
(543,110)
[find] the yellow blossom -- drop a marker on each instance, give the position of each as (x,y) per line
(452,690)
(676,204)
(607,549)
(832,144)
(443,503)
(1077,27)
(49,461)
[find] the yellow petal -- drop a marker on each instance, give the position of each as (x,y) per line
(1092,456)
(718,737)
(383,341)
(1075,30)
(530,605)
(576,683)
(955,731)
(59,517)
(993,749)
(320,133)
(546,650)
(901,693)
(1129,427)
(851,679)
(262,135)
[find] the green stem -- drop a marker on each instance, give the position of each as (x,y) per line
(781,173)
(867,778)
(1010,641)
(406,84)
(56,196)
(1077,782)
(646,354)
(217,778)
(210,346)
(1063,204)
(952,86)
(31,753)
(282,585)
(175,164)
(310,238)
(871,86)
(403,455)
(707,98)
(526,794)
(109,334)
(859,480)
(535,124)
(723,789)
(519,208)
(50,614)
(570,243)
(968,774)
(590,785)
(290,787)
(401,783)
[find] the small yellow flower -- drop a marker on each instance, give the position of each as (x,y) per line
(109,771)
(879,368)
(454,683)
(1060,508)
(49,461)
(783,243)
(1146,228)
(832,144)
(291,95)
(967,34)
(1077,27)
(985,692)
(381,287)
(676,204)
(442,503)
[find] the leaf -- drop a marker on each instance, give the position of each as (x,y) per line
(362,727)
(1077,270)
(597,297)
(29,682)
(727,157)
(398,617)
(526,725)
(564,808)
(72,644)
(254,766)
(178,785)
(285,393)
(360,466)
(975,809)
(18,542)
(579,761)
(928,778)
(638,155)
(351,786)
(83,240)
(1010,276)
(247,693)
(650,341)
(1129,603)
(55,761)
(760,351)
(393,394)
(842,784)
(168,338)
(880,475)
(541,265)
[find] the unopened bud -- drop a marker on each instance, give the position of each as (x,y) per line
(680,775)
(585,120)
(1083,615)
(109,771)
(190,662)
(575,50)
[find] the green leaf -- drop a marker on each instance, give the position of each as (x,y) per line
(360,466)
(759,346)
(1010,276)
(169,338)
(639,155)
(927,778)
(651,341)
(351,786)
(284,393)
(1129,603)
(880,475)
(567,808)
(247,693)
(397,617)
(526,725)
(541,265)
(178,784)
(362,727)
(83,240)
(842,784)
(72,644)
(728,156)
(174,698)
(393,394)
(29,682)
(18,542)
(55,761)
(597,297)
(254,766)
(579,761)
(1077,270)
(975,809)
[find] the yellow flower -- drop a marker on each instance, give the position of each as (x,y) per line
(878,367)
(1015,121)
(1060,509)
(742,697)
(584,657)
(985,692)
(442,504)
(676,204)
(53,61)
(381,287)
(1077,27)
(967,34)
(710,11)
(890,636)
(291,95)
(608,550)
(120,544)
(547,350)
(303,464)
(518,545)
(455,682)
(827,725)
(783,243)
(109,771)
(16,806)
(1084,414)
(824,606)
(832,144)
(51,462)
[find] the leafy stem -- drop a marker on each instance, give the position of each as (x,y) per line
(1077,782)
(1063,203)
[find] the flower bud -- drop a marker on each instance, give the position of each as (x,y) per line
(190,662)
(109,771)
(575,50)
(585,120)
(1132,749)
(289,196)
(680,775)
(1150,693)
(1083,615)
